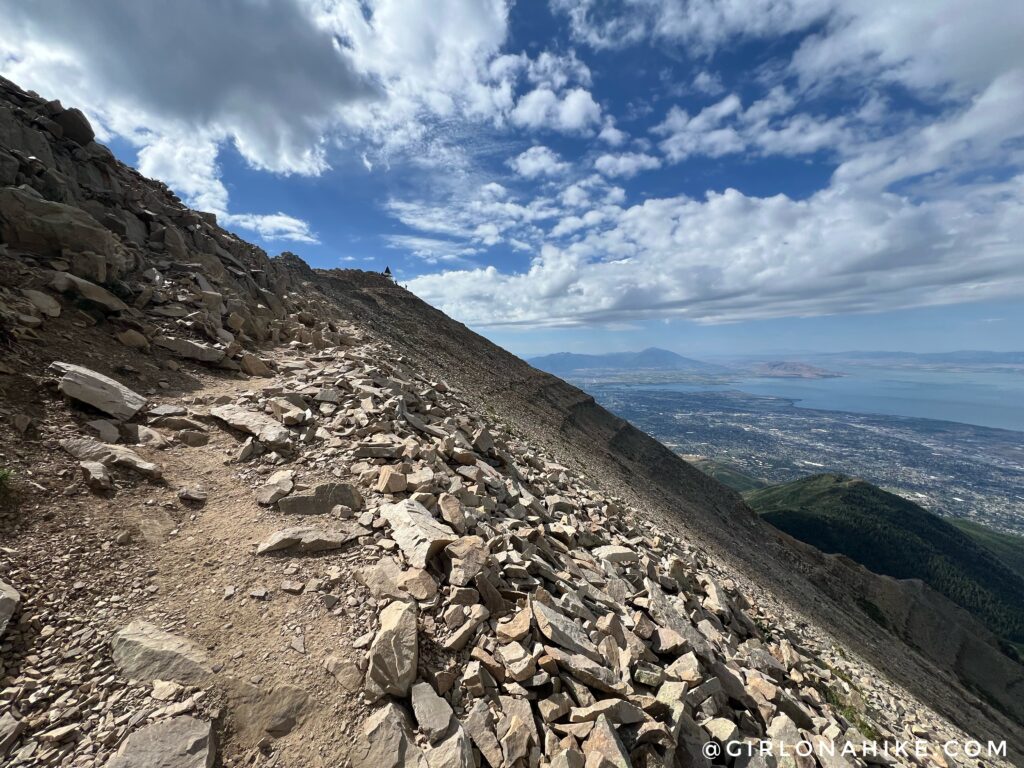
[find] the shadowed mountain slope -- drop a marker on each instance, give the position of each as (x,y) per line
(895,537)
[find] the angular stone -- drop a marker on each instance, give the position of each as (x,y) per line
(555,707)
(391,481)
(568,758)
(593,674)
(616,554)
(603,748)
(165,411)
(616,710)
(469,556)
(477,615)
(686,668)
(483,441)
(394,652)
(519,664)
(287,412)
(650,675)
(451,512)
(669,613)
(194,494)
(278,486)
(517,628)
(387,741)
(721,729)
(9,602)
(563,631)
(386,578)
(420,480)
(106,429)
(10,729)
(433,714)
(260,426)
(478,725)
(86,449)
(515,742)
(454,752)
(346,672)
(180,742)
(67,283)
(191,350)
(418,534)
(69,732)
(321,500)
(192,437)
(99,391)
(97,476)
(310,539)
(785,736)
(165,690)
(145,652)
(253,366)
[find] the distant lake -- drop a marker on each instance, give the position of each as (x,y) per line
(987,399)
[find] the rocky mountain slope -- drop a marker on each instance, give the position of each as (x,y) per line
(259,514)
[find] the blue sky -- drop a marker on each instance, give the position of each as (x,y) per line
(711,177)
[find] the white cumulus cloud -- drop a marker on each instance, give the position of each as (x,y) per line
(538,161)
(627,165)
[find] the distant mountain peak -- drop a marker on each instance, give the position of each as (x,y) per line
(650,359)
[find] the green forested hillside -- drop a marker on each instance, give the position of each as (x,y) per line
(1007,547)
(979,570)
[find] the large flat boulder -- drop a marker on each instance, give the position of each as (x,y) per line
(145,652)
(191,350)
(99,391)
(321,500)
(64,282)
(262,427)
(180,742)
(87,449)
(309,540)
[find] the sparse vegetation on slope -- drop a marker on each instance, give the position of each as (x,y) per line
(1007,547)
(893,536)
(728,476)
